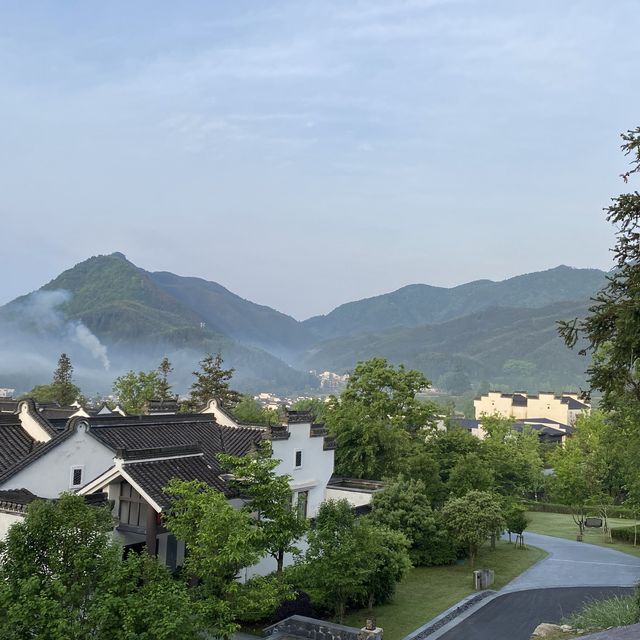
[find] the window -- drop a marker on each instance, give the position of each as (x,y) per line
(298,459)
(75,477)
(303,501)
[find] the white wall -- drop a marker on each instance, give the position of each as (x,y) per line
(6,520)
(49,475)
(316,468)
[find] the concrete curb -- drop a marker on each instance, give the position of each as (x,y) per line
(450,614)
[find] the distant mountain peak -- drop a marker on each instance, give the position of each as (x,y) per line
(119,254)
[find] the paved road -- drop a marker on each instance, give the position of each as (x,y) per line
(514,616)
(570,575)
(576,564)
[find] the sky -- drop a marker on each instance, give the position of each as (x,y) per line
(304,154)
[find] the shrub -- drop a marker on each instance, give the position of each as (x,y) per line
(624,534)
(618,611)
(554,507)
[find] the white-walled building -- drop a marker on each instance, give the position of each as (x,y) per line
(562,409)
(131,458)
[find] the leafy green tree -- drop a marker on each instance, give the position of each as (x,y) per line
(514,457)
(134,390)
(472,518)
(250,410)
(516,521)
(219,541)
(367,446)
(376,417)
(388,562)
(449,446)
(404,506)
(390,393)
(62,577)
(582,468)
(212,381)
(611,329)
(345,560)
(422,465)
(62,388)
(470,473)
(268,496)
(316,406)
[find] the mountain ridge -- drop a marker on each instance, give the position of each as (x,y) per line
(141,315)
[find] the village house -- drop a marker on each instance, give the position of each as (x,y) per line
(131,459)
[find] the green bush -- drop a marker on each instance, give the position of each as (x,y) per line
(603,614)
(624,534)
(554,507)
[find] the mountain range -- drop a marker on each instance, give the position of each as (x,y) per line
(112,316)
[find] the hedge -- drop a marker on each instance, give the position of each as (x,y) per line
(624,534)
(551,507)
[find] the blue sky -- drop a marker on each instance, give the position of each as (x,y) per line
(304,154)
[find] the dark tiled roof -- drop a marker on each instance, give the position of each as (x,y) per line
(8,405)
(149,432)
(38,451)
(574,404)
(153,475)
(15,442)
(59,413)
(542,429)
(297,417)
(161,406)
(465,423)
(519,400)
(16,499)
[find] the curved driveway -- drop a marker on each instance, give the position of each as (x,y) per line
(570,575)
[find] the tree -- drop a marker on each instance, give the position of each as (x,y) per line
(472,518)
(516,522)
(582,468)
(62,388)
(367,446)
(470,473)
(164,388)
(219,542)
(422,465)
(512,456)
(376,417)
(611,329)
(212,381)
(250,410)
(134,390)
(404,506)
(350,560)
(268,496)
(315,406)
(62,577)
(388,561)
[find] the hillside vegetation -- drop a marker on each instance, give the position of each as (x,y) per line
(503,333)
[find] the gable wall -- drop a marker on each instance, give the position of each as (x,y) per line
(49,475)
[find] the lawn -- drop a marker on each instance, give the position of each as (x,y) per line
(561,525)
(428,591)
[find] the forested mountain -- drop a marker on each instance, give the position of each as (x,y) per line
(421,304)
(108,312)
(514,348)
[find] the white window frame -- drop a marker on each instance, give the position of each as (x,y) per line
(295,459)
(76,467)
